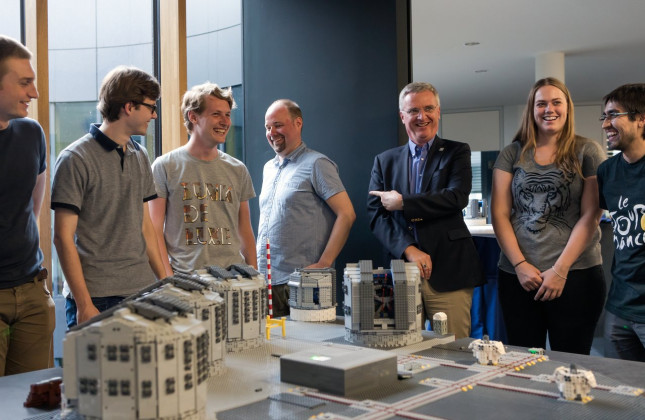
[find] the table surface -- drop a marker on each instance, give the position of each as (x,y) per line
(253,376)
(479,227)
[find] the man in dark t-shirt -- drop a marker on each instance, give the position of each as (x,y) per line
(26,307)
(621,183)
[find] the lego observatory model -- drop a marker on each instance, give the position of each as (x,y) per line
(312,294)
(383,306)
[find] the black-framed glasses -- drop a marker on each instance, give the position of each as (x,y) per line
(152,108)
(414,112)
(612,115)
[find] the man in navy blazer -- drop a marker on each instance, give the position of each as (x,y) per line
(417,193)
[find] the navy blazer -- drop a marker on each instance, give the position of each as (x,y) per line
(436,210)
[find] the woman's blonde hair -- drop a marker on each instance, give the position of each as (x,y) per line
(566,158)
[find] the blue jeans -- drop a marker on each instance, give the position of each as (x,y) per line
(101,303)
(627,338)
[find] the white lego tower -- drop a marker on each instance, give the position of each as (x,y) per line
(440,323)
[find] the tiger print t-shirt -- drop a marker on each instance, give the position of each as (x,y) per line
(546,206)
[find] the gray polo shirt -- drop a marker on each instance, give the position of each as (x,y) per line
(107,187)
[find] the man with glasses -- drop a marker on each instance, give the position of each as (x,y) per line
(102,229)
(202,214)
(417,193)
(26,307)
(621,182)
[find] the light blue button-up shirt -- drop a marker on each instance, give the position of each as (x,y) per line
(294,215)
(419,156)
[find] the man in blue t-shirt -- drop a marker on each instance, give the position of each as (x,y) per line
(26,307)
(621,182)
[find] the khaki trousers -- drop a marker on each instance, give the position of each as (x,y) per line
(456,305)
(27,321)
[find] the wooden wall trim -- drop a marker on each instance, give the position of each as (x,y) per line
(36,39)
(173,76)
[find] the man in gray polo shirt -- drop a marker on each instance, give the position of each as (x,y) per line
(102,229)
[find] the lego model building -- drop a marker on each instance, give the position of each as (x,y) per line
(207,306)
(382,307)
(245,294)
(141,361)
(440,323)
(487,352)
(312,295)
(574,384)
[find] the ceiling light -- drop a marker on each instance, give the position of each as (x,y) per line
(471,44)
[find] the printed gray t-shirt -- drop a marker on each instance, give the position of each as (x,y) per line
(202,208)
(546,206)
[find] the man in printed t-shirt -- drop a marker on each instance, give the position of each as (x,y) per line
(621,181)
(202,215)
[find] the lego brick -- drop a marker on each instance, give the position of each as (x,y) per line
(340,370)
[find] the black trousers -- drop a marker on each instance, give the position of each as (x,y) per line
(570,320)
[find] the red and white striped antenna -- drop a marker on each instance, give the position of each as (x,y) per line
(269,279)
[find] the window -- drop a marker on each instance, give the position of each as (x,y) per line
(10,19)
(214,54)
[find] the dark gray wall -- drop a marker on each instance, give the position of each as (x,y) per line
(338,60)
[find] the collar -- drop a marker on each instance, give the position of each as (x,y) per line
(107,143)
(291,157)
(424,149)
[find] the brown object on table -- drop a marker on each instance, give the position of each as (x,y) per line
(44,393)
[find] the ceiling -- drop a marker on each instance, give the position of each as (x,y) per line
(603,42)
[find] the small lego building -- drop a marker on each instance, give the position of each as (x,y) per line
(574,384)
(487,352)
(245,295)
(312,294)
(143,360)
(207,306)
(382,307)
(440,323)
(44,393)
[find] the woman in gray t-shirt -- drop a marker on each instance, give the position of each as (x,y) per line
(545,216)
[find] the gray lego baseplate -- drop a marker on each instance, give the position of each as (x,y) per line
(446,382)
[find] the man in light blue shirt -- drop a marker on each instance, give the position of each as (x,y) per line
(305,211)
